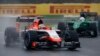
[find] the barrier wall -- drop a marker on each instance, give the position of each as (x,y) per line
(47,9)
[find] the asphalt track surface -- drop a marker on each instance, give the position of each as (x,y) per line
(89,47)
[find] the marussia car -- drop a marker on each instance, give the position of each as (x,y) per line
(37,35)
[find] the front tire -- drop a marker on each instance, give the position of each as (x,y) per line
(29,39)
(71,48)
(11,36)
(71,35)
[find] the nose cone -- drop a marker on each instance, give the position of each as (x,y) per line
(54,39)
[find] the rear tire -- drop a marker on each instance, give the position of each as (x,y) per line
(61,26)
(93,29)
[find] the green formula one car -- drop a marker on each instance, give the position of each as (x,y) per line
(87,27)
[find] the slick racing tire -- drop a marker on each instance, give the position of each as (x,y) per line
(29,38)
(93,30)
(70,25)
(73,46)
(71,35)
(11,36)
(61,26)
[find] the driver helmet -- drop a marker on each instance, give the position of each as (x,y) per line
(82,19)
(42,26)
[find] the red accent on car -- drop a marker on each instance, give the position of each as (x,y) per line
(55,39)
(34,44)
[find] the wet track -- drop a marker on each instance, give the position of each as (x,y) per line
(89,47)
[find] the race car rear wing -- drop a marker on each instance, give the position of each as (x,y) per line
(25,19)
(88,14)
